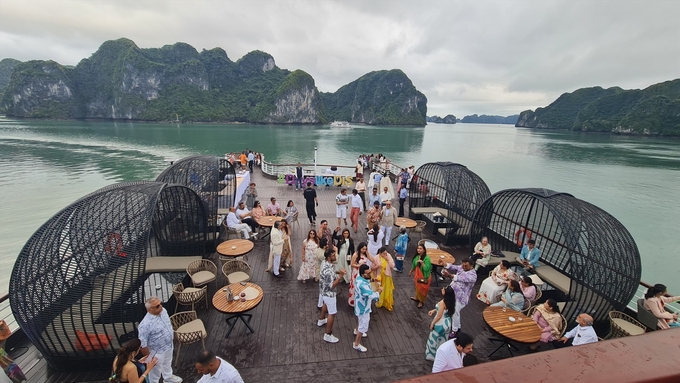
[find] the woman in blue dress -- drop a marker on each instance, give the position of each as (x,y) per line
(441,323)
(512,298)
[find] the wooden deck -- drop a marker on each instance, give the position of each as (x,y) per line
(287,346)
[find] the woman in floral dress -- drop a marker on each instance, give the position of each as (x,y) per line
(308,266)
(287,254)
(494,285)
(441,323)
(359,258)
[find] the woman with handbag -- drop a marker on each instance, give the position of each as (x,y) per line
(422,268)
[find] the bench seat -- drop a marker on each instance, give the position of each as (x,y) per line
(177,264)
(553,277)
(429,210)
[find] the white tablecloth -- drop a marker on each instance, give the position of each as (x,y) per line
(242,182)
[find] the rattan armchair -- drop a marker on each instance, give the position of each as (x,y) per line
(189,296)
(202,272)
(237,271)
(227,232)
(188,329)
(420,226)
(622,325)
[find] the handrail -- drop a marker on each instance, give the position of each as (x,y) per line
(278,170)
(6,312)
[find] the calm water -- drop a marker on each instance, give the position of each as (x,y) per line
(44,166)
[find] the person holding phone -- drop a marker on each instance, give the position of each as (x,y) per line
(128,369)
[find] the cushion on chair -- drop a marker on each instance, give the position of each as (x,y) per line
(202,277)
(191,290)
(238,276)
(193,326)
(628,327)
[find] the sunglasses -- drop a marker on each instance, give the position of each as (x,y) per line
(156,307)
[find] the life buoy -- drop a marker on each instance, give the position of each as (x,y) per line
(114,241)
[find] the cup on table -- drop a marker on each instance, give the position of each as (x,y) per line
(233,247)
(504,309)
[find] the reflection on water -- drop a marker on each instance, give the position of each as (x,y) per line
(46,165)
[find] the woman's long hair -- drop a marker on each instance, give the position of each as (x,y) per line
(129,348)
(422,257)
(516,288)
(316,236)
(450,300)
(553,305)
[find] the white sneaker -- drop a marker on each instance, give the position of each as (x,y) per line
(173,379)
(359,348)
(364,335)
(322,322)
(330,338)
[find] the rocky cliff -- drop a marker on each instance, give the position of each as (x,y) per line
(654,110)
(449,119)
(486,119)
(122,81)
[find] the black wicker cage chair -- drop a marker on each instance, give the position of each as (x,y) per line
(588,258)
(446,195)
(78,286)
(213,179)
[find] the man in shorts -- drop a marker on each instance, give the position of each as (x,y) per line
(363,297)
(327,285)
(342,201)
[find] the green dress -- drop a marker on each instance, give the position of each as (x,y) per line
(438,335)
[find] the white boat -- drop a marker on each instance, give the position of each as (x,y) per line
(340,124)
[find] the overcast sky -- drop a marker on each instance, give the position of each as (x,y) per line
(491,57)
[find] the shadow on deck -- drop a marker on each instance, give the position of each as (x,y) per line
(287,346)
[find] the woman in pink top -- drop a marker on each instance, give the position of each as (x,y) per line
(655,301)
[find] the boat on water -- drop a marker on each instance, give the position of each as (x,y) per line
(340,124)
(138,266)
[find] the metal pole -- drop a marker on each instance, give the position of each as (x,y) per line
(315,161)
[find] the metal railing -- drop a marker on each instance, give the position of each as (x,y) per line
(277,170)
(6,312)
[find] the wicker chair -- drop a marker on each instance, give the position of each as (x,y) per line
(420,226)
(189,296)
(202,272)
(295,220)
(428,244)
(622,325)
(237,271)
(229,231)
(188,329)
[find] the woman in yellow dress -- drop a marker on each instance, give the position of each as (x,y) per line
(385,279)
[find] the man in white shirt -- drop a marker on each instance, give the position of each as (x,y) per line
(216,369)
(235,223)
(156,334)
(251,160)
(357,206)
(385,196)
(581,334)
(341,202)
(246,217)
(451,353)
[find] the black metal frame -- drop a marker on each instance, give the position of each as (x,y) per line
(578,239)
(453,187)
(212,178)
(84,269)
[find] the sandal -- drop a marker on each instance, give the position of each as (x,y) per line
(414,299)
(420,305)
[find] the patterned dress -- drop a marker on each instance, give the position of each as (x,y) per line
(490,291)
(308,267)
(286,254)
(438,335)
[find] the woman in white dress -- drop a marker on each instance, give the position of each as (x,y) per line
(308,266)
(482,253)
(495,284)
(375,240)
(345,246)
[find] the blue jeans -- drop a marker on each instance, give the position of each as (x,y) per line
(298,182)
(399,264)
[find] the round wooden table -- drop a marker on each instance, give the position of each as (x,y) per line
(235,247)
(238,309)
(522,331)
(268,222)
(437,261)
(406,222)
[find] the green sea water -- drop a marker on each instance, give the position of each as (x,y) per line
(46,165)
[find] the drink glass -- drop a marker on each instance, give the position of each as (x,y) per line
(504,309)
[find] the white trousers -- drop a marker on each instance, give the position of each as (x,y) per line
(163,367)
(388,234)
(456,316)
(277,264)
(244,229)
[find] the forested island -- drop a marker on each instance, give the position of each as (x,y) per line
(449,119)
(486,119)
(654,110)
(121,81)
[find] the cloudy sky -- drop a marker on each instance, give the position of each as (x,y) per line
(492,57)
